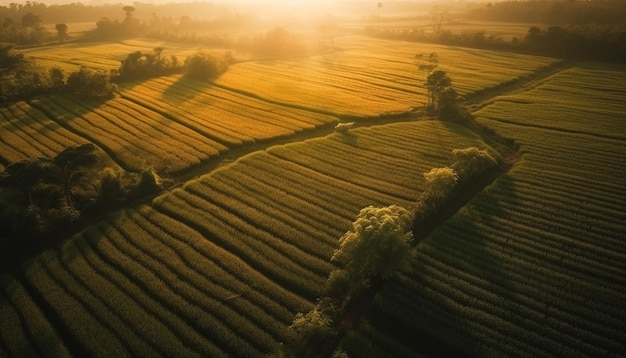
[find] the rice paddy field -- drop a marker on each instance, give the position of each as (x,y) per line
(220,266)
(104,56)
(533,265)
(371,77)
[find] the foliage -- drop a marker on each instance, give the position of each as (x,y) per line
(61,31)
(472,161)
(22,78)
(28,31)
(90,83)
(441,181)
(38,192)
(204,66)
(377,247)
(43,197)
(313,329)
(144,65)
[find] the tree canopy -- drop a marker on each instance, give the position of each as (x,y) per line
(377,246)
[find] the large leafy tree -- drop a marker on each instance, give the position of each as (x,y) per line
(377,247)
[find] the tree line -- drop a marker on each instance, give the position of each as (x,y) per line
(22,78)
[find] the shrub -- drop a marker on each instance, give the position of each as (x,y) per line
(472,161)
(204,66)
(89,83)
(441,181)
(149,183)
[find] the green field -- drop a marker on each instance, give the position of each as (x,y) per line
(532,265)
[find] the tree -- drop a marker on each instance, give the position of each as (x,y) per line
(313,329)
(31,20)
(89,83)
(204,66)
(380,6)
(129,11)
(436,83)
(441,181)
(429,67)
(377,247)
(61,31)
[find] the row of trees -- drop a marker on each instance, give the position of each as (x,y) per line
(585,42)
(21,78)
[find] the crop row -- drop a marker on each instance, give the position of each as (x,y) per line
(200,277)
(234,101)
(25,331)
(188,241)
(34,123)
(264,252)
(438,316)
(520,283)
(138,142)
(251,208)
(176,150)
(335,195)
(185,290)
(218,131)
(376,77)
(105,136)
(27,132)
(569,101)
(275,195)
(242,121)
(230,117)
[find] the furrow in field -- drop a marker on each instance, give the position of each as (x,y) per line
(231,264)
(107,265)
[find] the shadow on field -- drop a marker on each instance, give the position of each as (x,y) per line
(184,90)
(473,255)
(447,309)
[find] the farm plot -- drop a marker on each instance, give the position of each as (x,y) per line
(26,132)
(143,284)
(368,77)
(533,265)
(221,266)
(103,56)
(135,136)
(562,103)
(25,332)
(261,206)
(229,117)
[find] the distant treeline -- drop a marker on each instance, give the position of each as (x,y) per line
(584,42)
(79,12)
(552,12)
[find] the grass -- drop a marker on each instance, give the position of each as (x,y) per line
(533,264)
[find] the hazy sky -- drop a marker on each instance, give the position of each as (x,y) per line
(290,2)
